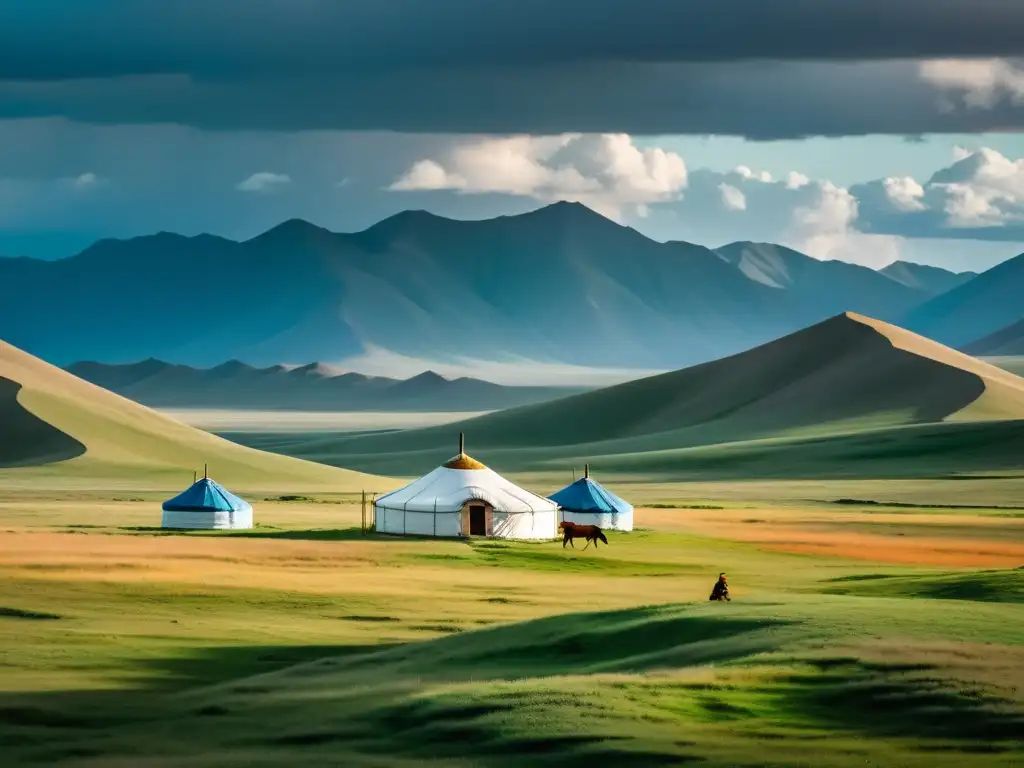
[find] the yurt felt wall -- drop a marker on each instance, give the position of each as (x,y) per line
(441,504)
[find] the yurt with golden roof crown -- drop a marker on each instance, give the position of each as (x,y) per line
(462,497)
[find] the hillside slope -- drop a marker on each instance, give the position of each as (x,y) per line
(559,284)
(983,306)
(1005,341)
(821,287)
(64,427)
(846,374)
(932,280)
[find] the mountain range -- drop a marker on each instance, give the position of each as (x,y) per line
(559,284)
(312,387)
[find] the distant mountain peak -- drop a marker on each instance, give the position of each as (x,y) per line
(294,227)
(567,211)
(233,366)
(428,376)
(317,370)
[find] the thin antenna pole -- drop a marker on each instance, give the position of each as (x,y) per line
(462,443)
(586,470)
(205,472)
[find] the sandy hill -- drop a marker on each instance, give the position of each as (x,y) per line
(845,374)
(55,424)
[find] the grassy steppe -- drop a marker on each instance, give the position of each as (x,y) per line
(858,634)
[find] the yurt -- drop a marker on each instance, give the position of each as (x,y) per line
(587,502)
(206,504)
(462,497)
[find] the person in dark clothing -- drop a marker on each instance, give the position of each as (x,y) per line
(721,589)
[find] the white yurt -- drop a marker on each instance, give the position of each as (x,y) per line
(206,504)
(462,497)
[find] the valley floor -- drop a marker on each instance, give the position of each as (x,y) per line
(858,634)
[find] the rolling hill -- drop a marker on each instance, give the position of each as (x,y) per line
(559,284)
(985,305)
(843,376)
(312,387)
(73,432)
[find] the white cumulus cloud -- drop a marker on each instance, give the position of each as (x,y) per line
(796,180)
(904,193)
(732,198)
(747,173)
(825,227)
(983,189)
(264,181)
(607,172)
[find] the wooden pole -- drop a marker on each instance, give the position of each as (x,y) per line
(462,443)
(364,512)
(586,470)
(195,476)
(206,474)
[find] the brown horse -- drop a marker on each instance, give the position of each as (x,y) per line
(572,531)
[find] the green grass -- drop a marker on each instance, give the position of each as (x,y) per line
(302,644)
(987,586)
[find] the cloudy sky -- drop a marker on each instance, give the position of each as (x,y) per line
(866,130)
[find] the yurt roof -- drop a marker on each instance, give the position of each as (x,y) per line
(586,495)
(458,481)
(206,495)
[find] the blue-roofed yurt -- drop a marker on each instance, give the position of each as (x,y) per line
(207,504)
(589,503)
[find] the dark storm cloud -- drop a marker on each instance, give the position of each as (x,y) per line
(54,39)
(756,68)
(756,100)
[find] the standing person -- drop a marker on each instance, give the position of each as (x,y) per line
(721,589)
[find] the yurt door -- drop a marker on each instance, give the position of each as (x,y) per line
(477,521)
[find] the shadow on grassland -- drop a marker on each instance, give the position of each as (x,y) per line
(577,689)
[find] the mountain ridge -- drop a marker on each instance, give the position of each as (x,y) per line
(312,387)
(558,284)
